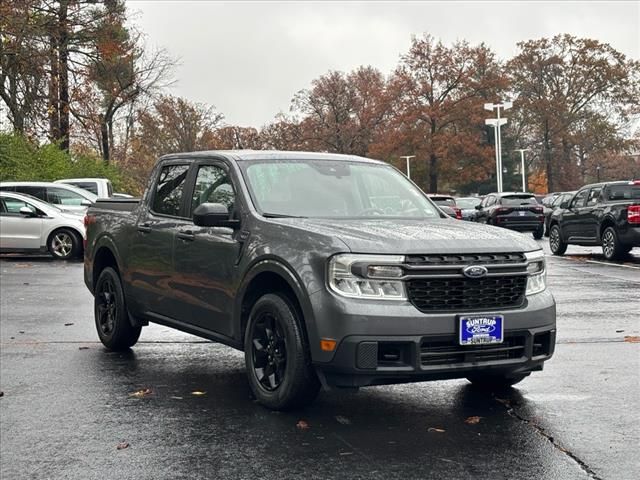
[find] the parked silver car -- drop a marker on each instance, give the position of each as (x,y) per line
(29,225)
(66,197)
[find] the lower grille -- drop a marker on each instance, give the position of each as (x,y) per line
(447,351)
(460,294)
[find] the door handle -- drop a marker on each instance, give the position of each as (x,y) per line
(144,227)
(187,235)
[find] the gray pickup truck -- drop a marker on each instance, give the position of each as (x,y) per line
(326,270)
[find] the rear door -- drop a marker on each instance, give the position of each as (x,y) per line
(205,257)
(150,254)
(18,231)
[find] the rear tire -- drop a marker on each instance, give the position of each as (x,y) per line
(537,234)
(557,246)
(277,358)
(495,382)
(64,244)
(111,316)
(611,246)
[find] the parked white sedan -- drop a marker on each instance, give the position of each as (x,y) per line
(30,225)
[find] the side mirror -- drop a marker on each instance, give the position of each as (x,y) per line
(478,207)
(86,203)
(213,215)
(564,205)
(27,212)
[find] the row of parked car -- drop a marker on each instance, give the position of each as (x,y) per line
(48,216)
(602,214)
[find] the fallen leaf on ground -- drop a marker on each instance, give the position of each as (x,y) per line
(122,445)
(141,393)
(619,331)
(176,398)
(68,324)
(437,430)
(343,420)
(1,394)
(302,425)
(20,331)
(631,339)
(472,420)
(83,348)
(198,392)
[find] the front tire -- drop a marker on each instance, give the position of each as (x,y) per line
(611,246)
(557,246)
(277,358)
(64,244)
(495,382)
(111,316)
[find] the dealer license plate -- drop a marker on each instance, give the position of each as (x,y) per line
(481,329)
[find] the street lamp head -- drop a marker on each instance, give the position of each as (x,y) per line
(488,106)
(507,105)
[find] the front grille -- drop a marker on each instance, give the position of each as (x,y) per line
(447,351)
(466,259)
(461,293)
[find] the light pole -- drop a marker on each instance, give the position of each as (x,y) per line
(408,157)
(522,169)
(497,123)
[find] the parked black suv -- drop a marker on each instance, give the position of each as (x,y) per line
(513,210)
(606,214)
(325,269)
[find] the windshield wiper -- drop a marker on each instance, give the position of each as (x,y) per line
(281,215)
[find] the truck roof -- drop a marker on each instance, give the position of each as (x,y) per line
(257,155)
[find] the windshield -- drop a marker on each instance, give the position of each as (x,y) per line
(515,200)
(333,189)
(467,202)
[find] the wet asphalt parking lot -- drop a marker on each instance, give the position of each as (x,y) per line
(67,403)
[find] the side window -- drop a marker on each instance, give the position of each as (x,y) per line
(89,186)
(491,200)
(37,192)
(213,185)
(579,199)
(60,196)
(12,206)
(167,199)
(594,196)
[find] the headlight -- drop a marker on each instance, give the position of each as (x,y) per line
(537,280)
(367,276)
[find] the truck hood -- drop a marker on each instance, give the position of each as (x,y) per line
(393,236)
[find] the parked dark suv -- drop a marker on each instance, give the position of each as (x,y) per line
(606,214)
(324,269)
(516,211)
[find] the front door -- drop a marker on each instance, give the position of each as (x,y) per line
(18,231)
(571,216)
(205,257)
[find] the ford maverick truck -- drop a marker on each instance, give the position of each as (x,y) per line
(326,270)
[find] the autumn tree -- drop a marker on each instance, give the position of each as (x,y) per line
(438,92)
(342,112)
(567,85)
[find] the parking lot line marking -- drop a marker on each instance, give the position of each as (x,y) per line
(613,264)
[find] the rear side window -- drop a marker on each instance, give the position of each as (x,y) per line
(623,192)
(89,186)
(167,199)
(517,200)
(594,196)
(37,192)
(60,196)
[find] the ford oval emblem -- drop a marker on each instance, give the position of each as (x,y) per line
(474,271)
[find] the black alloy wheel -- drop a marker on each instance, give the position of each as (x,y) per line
(611,246)
(269,351)
(111,316)
(277,356)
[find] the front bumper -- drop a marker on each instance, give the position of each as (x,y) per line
(387,342)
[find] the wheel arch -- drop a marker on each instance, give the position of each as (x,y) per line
(606,223)
(268,276)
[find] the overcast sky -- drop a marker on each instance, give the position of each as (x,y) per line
(250,58)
